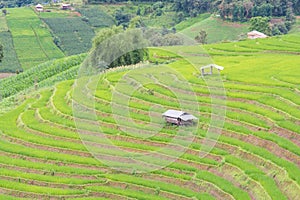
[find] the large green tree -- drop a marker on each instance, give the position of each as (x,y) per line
(260,24)
(113,47)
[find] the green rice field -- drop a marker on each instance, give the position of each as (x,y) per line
(50,135)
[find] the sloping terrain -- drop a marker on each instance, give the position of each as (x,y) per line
(217,30)
(10,62)
(32,41)
(42,154)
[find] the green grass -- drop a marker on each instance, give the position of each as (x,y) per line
(217,30)
(32,40)
(97,17)
(191,21)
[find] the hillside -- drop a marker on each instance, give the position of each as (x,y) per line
(45,74)
(216,29)
(31,38)
(32,41)
(50,138)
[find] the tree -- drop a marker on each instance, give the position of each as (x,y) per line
(235,13)
(192,7)
(136,22)
(122,18)
(260,24)
(202,37)
(248,5)
(121,48)
(1,52)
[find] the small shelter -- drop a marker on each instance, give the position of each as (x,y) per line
(210,67)
(39,8)
(256,34)
(179,117)
(66,6)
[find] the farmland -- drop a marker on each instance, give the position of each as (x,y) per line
(96,17)
(32,41)
(10,62)
(73,35)
(217,30)
(51,146)
(45,74)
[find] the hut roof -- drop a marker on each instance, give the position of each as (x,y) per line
(179,114)
(256,34)
(66,5)
(39,6)
(213,65)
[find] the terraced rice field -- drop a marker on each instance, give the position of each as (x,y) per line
(32,40)
(257,155)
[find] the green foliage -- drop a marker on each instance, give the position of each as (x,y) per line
(41,73)
(96,17)
(118,55)
(217,30)
(122,18)
(163,37)
(10,62)
(260,24)
(192,8)
(72,35)
(32,40)
(202,37)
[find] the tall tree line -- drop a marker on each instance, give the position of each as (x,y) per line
(236,10)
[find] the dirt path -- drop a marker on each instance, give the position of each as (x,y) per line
(6,75)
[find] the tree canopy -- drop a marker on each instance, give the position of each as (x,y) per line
(113,47)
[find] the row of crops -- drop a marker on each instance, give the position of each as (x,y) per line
(32,40)
(10,62)
(96,17)
(28,41)
(45,74)
(49,142)
(72,35)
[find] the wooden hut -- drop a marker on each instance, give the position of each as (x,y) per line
(179,117)
(66,6)
(210,67)
(256,34)
(39,8)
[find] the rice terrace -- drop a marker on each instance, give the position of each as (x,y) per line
(149,100)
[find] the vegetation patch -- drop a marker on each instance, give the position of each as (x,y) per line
(217,30)
(10,62)
(96,17)
(32,40)
(71,35)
